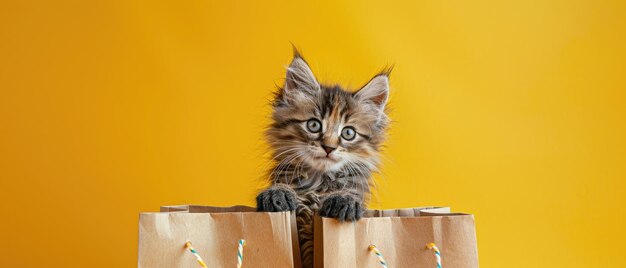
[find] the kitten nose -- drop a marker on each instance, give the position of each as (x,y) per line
(328,149)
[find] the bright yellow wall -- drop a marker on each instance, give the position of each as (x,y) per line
(512,111)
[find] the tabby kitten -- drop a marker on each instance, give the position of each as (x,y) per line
(325,143)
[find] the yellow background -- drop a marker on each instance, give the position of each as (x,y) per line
(513,111)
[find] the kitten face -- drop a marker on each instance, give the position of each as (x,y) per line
(327,129)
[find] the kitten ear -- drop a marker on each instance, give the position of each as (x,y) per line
(300,76)
(376,91)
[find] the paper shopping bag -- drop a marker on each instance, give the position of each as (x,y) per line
(203,236)
(416,237)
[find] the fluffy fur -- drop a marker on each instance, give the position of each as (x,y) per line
(320,166)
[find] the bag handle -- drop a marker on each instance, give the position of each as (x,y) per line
(240,246)
(383,263)
(242,243)
(379,255)
(437,253)
(195,253)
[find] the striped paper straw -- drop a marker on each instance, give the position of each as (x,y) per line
(242,243)
(437,253)
(381,259)
(195,253)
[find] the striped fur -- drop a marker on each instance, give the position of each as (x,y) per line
(307,178)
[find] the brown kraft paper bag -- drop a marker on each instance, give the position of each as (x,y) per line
(214,232)
(401,236)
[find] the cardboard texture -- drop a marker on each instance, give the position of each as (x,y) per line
(401,235)
(271,238)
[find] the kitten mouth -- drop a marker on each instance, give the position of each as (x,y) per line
(327,158)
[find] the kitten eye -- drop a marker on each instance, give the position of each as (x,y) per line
(314,125)
(348,133)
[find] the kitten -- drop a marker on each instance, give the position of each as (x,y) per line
(325,143)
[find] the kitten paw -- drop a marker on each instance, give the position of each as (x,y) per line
(341,207)
(275,199)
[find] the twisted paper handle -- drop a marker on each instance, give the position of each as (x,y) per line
(195,253)
(379,255)
(437,253)
(242,243)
